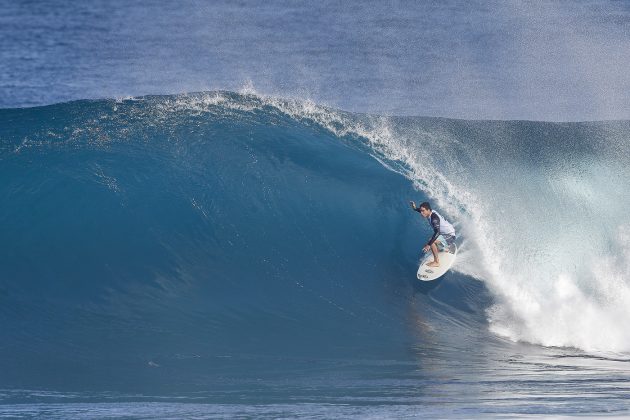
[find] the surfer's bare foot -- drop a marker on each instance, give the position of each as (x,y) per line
(433,264)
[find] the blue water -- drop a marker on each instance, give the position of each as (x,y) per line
(204,209)
(483,59)
(225,255)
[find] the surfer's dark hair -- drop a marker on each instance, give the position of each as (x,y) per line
(425,206)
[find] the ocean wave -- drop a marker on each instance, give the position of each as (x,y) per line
(243,221)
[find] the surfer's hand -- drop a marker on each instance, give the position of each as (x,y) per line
(413,205)
(426,248)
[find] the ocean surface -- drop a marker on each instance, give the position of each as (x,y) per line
(204,209)
(546,60)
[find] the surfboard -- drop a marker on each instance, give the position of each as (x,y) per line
(447,258)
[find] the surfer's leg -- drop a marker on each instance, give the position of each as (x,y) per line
(436,259)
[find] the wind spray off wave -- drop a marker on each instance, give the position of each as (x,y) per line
(543,208)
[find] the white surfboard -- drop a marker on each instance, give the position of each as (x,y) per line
(447,258)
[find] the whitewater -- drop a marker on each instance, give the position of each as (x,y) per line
(238,254)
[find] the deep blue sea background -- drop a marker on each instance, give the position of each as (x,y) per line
(204,209)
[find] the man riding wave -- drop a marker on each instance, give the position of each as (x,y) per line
(443,231)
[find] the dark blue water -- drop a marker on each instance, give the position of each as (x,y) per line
(253,254)
(228,255)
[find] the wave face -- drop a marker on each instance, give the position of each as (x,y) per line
(173,228)
(171,236)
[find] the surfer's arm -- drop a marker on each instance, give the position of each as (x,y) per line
(435,223)
(413,206)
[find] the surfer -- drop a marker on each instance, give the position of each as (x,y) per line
(443,231)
